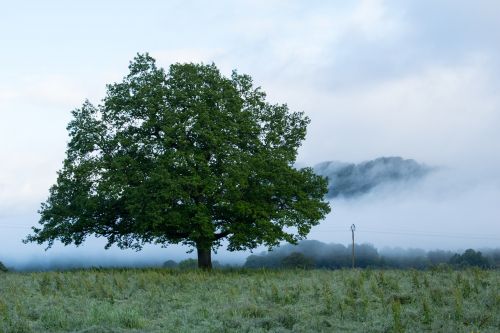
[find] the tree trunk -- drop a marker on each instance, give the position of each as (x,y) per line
(204,256)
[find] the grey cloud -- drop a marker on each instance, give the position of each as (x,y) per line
(443,33)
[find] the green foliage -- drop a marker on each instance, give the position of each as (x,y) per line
(185,156)
(174,300)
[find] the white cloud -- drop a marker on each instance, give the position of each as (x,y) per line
(6,95)
(374,19)
(294,40)
(442,115)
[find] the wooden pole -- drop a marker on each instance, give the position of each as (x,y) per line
(353,228)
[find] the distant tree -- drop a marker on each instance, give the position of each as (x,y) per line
(188,264)
(297,260)
(366,255)
(439,256)
(469,258)
(334,256)
(188,156)
(494,255)
(170,264)
(256,261)
(2,267)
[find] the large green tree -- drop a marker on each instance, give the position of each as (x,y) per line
(185,156)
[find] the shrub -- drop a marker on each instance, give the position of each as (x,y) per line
(2,267)
(170,264)
(188,264)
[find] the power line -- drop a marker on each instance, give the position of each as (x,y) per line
(430,234)
(418,233)
(406,233)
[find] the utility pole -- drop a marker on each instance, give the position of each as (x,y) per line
(353,228)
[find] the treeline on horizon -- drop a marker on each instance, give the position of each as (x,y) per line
(315,254)
(310,254)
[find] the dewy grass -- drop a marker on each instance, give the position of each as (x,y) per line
(396,316)
(163,300)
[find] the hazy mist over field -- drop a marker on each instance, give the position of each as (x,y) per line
(415,80)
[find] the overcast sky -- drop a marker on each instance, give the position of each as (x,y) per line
(417,79)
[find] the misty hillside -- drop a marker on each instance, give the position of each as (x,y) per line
(316,254)
(350,180)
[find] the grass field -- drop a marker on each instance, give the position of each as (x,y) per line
(161,300)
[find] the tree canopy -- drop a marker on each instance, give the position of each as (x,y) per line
(185,156)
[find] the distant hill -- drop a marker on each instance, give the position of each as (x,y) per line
(350,180)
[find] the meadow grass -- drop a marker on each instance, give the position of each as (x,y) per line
(165,300)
